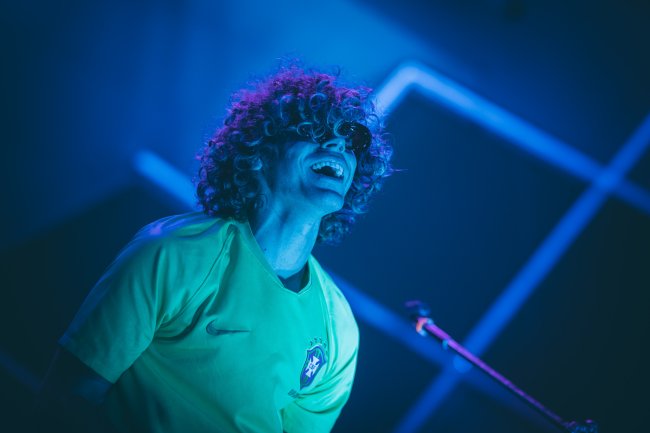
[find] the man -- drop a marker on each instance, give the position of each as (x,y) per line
(223,321)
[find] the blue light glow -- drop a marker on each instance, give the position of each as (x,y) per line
(467,104)
(603,182)
(163,174)
(534,271)
(383,319)
(20,373)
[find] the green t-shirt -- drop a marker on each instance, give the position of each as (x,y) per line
(198,334)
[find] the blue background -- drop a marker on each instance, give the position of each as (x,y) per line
(483,211)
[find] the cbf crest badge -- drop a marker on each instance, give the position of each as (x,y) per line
(315,360)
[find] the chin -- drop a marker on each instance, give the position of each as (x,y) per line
(330,203)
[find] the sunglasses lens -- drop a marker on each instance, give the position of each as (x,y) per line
(358,136)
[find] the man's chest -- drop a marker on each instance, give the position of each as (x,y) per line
(251,338)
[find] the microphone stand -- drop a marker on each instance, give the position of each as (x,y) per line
(424,325)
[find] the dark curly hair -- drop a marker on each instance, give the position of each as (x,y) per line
(290,104)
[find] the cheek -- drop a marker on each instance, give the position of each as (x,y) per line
(352,160)
(285,177)
(353,165)
(349,184)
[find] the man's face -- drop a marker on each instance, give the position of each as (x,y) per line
(311,177)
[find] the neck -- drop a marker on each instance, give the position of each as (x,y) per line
(286,239)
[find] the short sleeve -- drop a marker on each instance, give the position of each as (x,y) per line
(118,319)
(318,409)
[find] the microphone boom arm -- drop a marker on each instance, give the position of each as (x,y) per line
(424,325)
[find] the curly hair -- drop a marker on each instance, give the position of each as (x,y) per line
(290,104)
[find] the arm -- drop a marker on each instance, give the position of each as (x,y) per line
(71,396)
(110,330)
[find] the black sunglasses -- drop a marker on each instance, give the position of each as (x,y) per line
(357,137)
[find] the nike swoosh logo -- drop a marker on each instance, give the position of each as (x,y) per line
(213,330)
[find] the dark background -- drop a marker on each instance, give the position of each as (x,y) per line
(87,85)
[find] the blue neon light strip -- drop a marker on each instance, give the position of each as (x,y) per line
(385,320)
(534,271)
(20,373)
(166,176)
(464,102)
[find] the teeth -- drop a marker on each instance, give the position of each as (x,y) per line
(337,167)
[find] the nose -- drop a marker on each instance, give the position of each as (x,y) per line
(335,144)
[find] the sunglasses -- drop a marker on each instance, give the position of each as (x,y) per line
(357,137)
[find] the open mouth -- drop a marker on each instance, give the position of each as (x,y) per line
(331,169)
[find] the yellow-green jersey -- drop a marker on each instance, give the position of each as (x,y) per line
(198,334)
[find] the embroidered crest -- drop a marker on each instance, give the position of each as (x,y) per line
(315,360)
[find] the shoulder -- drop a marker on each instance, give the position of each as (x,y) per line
(195,225)
(182,234)
(166,264)
(175,249)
